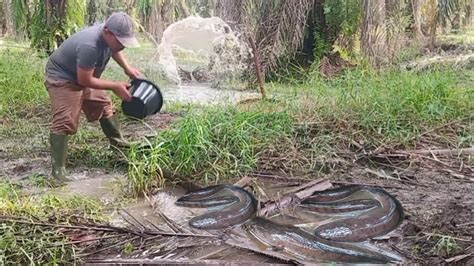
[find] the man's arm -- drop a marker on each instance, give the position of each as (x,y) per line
(122,61)
(85,78)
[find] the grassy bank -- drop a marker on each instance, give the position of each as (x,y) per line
(361,108)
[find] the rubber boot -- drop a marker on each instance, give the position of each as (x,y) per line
(58,144)
(111,128)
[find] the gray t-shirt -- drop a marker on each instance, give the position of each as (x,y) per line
(86,49)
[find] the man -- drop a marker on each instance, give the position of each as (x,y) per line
(73,81)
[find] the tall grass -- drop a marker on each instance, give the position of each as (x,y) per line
(392,105)
(21,83)
(216,143)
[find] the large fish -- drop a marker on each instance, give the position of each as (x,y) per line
(310,248)
(379,214)
(236,204)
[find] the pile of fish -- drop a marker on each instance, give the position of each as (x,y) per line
(359,213)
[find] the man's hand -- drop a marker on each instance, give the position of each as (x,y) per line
(133,73)
(121,89)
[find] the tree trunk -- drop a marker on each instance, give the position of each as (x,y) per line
(467,20)
(395,27)
(153,22)
(160,16)
(4,19)
(432,18)
(416,7)
(374,42)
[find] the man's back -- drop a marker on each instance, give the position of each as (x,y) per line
(86,49)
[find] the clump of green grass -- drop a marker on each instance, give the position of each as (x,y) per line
(21,83)
(35,245)
(388,106)
(216,143)
(445,246)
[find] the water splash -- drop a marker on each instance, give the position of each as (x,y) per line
(199,49)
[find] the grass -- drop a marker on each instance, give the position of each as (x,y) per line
(445,246)
(362,106)
(391,106)
(37,245)
(215,143)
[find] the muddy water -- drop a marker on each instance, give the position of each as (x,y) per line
(204,94)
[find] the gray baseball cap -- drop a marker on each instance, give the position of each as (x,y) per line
(121,24)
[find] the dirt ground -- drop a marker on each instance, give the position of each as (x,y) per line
(435,190)
(436,205)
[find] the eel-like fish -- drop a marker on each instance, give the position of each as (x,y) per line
(208,202)
(311,248)
(346,208)
(238,205)
(375,222)
(380,214)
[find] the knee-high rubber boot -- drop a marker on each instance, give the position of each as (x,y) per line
(111,128)
(58,144)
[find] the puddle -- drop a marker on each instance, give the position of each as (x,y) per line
(204,94)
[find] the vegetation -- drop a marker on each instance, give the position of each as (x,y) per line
(31,243)
(284,30)
(371,105)
(361,106)
(216,143)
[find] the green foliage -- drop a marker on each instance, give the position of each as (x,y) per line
(340,18)
(76,12)
(21,83)
(29,244)
(52,23)
(389,106)
(217,143)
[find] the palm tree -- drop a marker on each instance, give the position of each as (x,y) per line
(416,9)
(47,22)
(374,42)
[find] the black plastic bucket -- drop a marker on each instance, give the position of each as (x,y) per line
(146,99)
